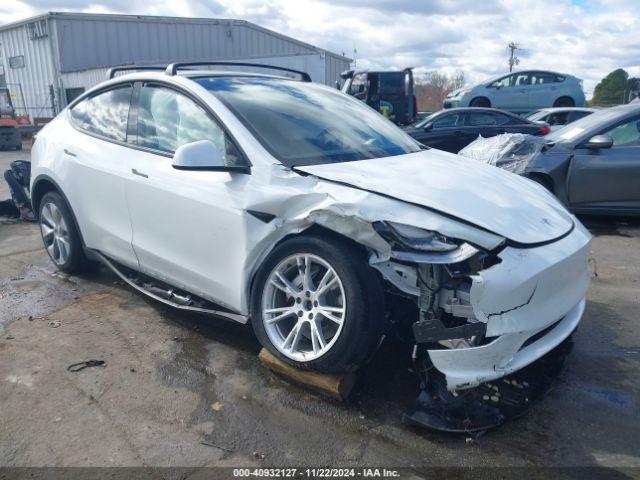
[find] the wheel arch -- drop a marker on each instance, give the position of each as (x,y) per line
(44,184)
(314,229)
(543,179)
(564,97)
(482,98)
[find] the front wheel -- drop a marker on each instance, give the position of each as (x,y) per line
(316,304)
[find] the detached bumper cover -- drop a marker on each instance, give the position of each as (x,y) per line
(531,302)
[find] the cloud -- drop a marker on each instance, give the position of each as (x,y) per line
(587,38)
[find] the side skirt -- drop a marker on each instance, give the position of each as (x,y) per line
(188,302)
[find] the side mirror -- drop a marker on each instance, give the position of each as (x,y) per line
(598,141)
(428,126)
(203,155)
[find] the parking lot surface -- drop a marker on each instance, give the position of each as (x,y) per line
(188,390)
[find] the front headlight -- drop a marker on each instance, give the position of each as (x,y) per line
(414,238)
(413,244)
(464,93)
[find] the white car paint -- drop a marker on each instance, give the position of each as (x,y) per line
(194,229)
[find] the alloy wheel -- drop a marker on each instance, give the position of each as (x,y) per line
(303,307)
(55,233)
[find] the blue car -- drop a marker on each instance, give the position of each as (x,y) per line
(521,92)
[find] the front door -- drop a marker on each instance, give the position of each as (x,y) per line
(187,225)
(98,162)
(608,178)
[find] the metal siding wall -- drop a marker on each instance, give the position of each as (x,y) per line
(335,66)
(37,74)
(93,43)
(313,64)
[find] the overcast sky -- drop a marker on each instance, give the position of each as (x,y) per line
(587,38)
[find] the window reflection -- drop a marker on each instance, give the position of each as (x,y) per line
(304,123)
(167,120)
(105,114)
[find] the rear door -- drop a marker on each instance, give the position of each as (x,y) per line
(448,133)
(188,226)
(486,123)
(608,178)
(513,92)
(98,160)
(542,89)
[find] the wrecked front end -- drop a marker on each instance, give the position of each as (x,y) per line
(492,328)
(493,280)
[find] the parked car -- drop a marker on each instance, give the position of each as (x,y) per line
(453,129)
(521,92)
(593,164)
(558,117)
(302,210)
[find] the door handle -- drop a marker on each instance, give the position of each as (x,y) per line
(71,154)
(140,174)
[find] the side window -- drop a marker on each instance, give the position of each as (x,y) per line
(558,118)
(453,120)
(521,79)
(477,119)
(541,78)
(104,114)
(168,119)
(627,134)
(577,115)
(503,82)
(358,84)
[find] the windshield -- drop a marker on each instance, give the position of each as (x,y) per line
(309,124)
(576,129)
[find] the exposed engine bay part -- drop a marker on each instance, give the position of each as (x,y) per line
(490,404)
(444,313)
(165,294)
(509,151)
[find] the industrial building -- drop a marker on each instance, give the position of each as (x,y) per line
(48,60)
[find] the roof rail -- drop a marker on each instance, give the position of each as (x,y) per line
(172,69)
(113,71)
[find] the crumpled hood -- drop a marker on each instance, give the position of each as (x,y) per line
(483,195)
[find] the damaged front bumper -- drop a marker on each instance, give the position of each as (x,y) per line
(528,303)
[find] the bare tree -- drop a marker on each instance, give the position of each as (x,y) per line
(432,88)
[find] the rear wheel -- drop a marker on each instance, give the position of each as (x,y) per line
(59,235)
(316,304)
(564,102)
(480,102)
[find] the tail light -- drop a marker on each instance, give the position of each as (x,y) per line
(544,130)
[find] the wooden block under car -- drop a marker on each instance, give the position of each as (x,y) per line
(337,386)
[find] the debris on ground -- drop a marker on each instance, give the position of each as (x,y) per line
(54,323)
(217,406)
(76,367)
(209,444)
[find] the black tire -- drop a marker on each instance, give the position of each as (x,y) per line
(480,102)
(76,261)
(564,102)
(363,324)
